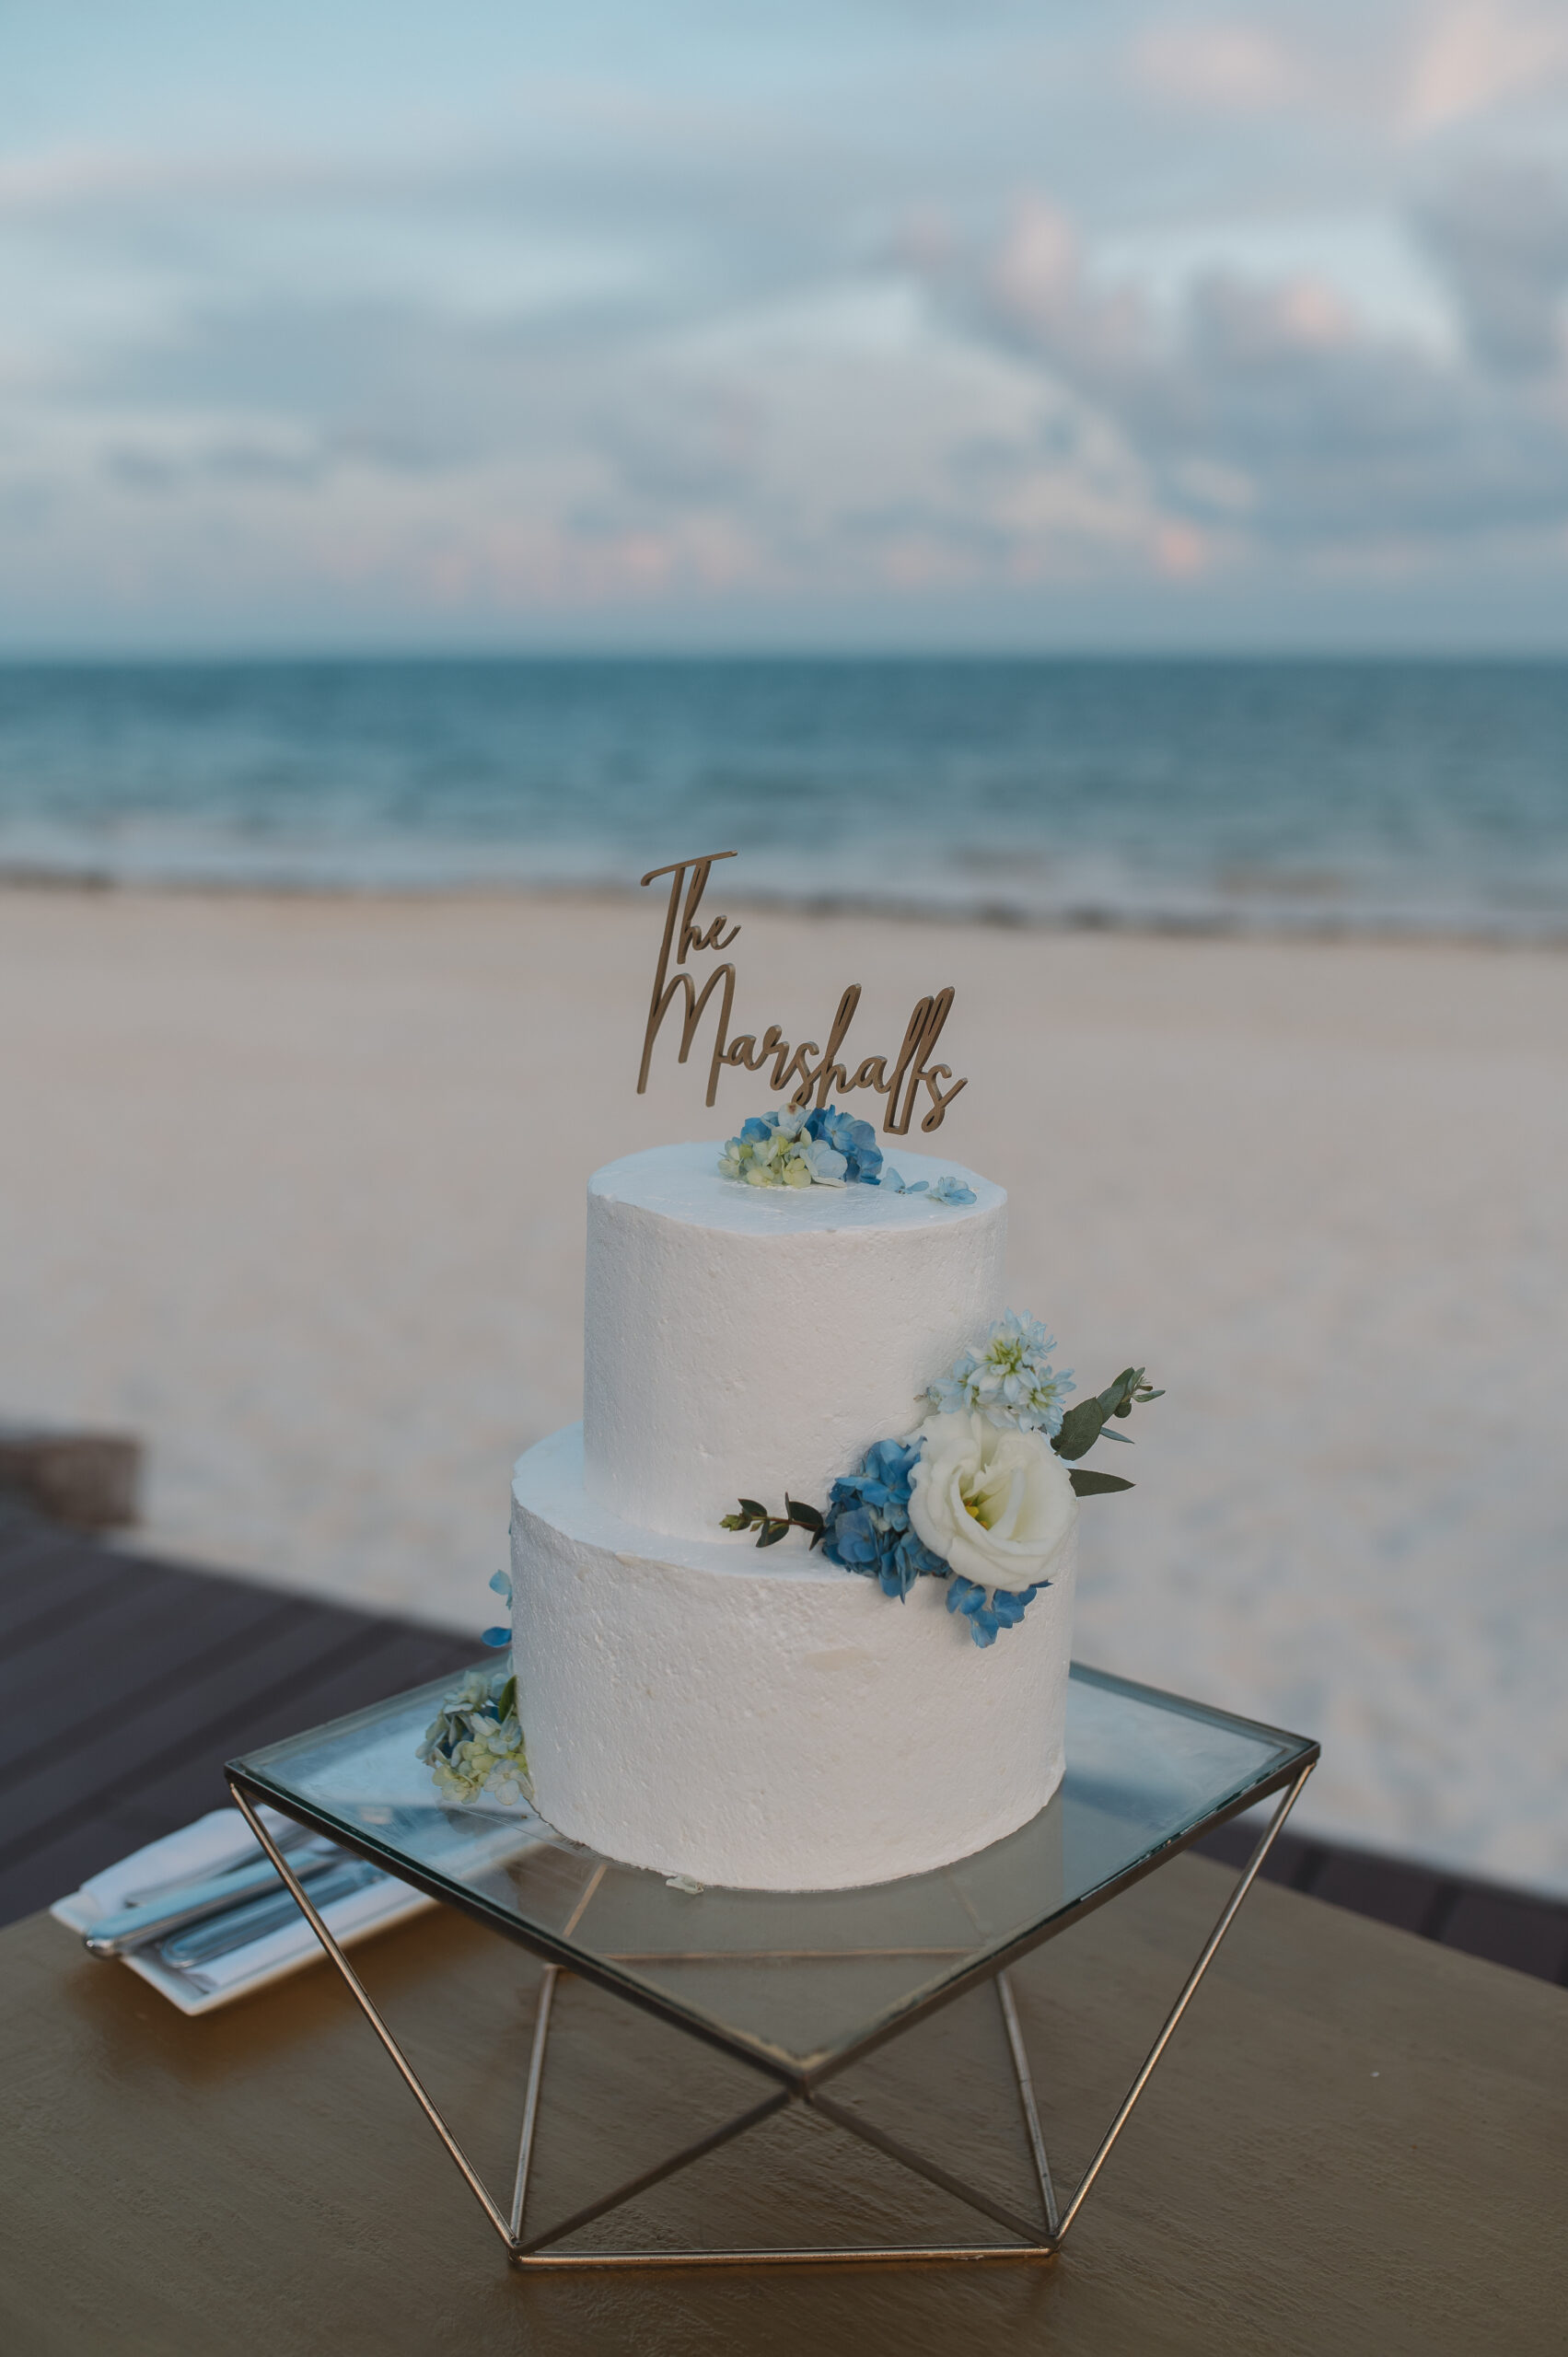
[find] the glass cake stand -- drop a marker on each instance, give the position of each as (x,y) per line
(797,1985)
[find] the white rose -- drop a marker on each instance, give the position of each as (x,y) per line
(995,1503)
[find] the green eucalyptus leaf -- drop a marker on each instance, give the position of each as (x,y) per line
(772,1531)
(806,1516)
(752,1511)
(1081,1428)
(1087,1423)
(1088,1484)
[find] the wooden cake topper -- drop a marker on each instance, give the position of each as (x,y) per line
(898,1079)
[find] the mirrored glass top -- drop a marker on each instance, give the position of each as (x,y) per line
(796,1980)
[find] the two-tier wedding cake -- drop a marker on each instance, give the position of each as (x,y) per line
(756,1714)
(791,1606)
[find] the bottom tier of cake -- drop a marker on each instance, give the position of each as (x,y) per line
(762,1719)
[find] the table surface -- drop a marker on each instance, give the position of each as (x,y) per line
(1355,2143)
(798,1982)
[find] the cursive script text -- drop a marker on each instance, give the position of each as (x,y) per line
(805,1070)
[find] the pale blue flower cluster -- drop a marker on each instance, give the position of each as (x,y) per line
(474,1743)
(824,1147)
(946,1190)
(821,1148)
(1008,1382)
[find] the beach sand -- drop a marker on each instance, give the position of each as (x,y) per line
(293,1188)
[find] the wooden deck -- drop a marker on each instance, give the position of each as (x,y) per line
(126,1683)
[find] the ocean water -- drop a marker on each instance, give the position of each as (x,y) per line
(1358,795)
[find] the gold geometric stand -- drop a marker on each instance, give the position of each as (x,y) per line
(1036,2238)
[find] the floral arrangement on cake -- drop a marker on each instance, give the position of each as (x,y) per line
(823,1147)
(474,1747)
(980,1493)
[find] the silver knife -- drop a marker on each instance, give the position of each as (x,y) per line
(203,1943)
(135,1927)
(245,1853)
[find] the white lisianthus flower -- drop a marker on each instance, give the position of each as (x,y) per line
(995,1503)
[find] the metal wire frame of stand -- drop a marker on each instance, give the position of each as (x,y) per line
(1036,2238)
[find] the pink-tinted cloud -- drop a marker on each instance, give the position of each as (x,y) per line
(1236,65)
(1322,428)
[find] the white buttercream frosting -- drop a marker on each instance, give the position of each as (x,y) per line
(743,1341)
(764,1719)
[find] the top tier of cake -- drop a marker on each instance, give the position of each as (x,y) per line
(742,1341)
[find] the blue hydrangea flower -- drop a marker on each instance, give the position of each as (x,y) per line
(827,1165)
(503,1588)
(1004,1608)
(1010,1381)
(946,1190)
(866,1528)
(854,1139)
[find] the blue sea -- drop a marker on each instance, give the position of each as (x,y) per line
(1302,794)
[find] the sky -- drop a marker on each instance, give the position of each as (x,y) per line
(794,324)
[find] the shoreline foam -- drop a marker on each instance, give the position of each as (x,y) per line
(1267,920)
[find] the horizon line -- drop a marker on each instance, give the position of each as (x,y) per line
(261,656)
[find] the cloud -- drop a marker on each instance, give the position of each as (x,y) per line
(162,473)
(696,442)
(1291,300)
(974,411)
(1468,59)
(1501,240)
(1237,66)
(1270,407)
(1420,68)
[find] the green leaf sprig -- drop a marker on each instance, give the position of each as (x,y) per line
(1081,1427)
(1086,1423)
(772,1528)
